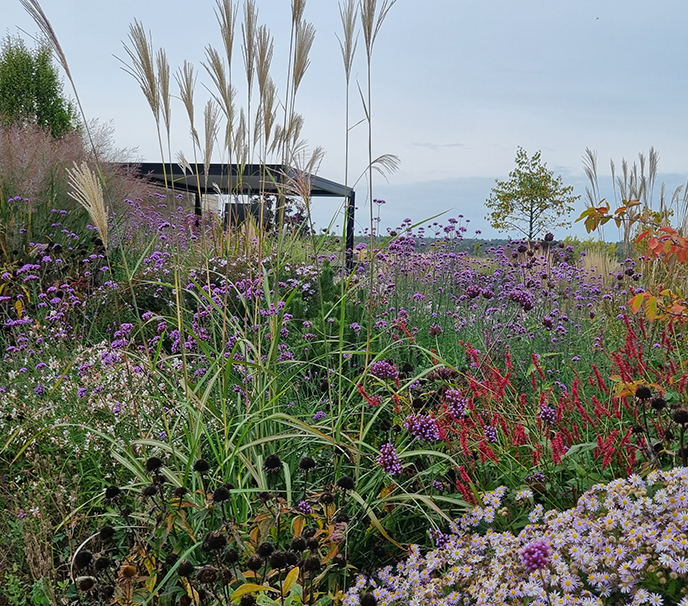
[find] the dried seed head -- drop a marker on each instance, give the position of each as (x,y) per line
(214,541)
(272,464)
(201,466)
(306,464)
(643,393)
(346,483)
(368,599)
(312,564)
(103,563)
(153,464)
(83,559)
(255,563)
(681,416)
(86,583)
(265,549)
(185,569)
(278,560)
(128,571)
(658,403)
(149,491)
(207,575)
(112,492)
(221,494)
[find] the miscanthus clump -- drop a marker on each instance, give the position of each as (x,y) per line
(624,543)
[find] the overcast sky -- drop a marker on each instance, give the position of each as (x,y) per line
(457,86)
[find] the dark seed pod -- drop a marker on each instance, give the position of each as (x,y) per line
(86,583)
(254,563)
(128,571)
(658,403)
(171,560)
(339,560)
(308,533)
(368,599)
(326,498)
(83,559)
(106,533)
(186,569)
(185,600)
(153,464)
(207,575)
(221,494)
(180,491)
(307,463)
(681,416)
(231,556)
(265,549)
(293,558)
(201,466)
(312,564)
(272,464)
(149,491)
(313,544)
(278,560)
(103,563)
(214,541)
(298,544)
(247,600)
(341,518)
(346,483)
(643,393)
(112,492)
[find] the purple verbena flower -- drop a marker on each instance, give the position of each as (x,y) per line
(389,459)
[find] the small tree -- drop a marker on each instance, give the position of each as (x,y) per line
(532,201)
(31,90)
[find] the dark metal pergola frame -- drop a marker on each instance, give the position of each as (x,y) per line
(250,180)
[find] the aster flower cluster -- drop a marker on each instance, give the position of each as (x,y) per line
(624,543)
(422,427)
(389,459)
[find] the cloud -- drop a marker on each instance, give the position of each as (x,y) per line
(436,146)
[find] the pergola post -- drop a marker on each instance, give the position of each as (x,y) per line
(350,210)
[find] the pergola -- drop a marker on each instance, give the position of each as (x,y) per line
(250,180)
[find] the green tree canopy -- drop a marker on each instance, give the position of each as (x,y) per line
(532,200)
(31,90)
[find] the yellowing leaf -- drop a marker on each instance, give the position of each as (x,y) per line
(298,525)
(637,302)
(651,308)
(251,588)
(290,580)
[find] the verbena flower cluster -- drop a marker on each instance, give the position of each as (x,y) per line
(624,543)
(422,427)
(383,370)
(389,459)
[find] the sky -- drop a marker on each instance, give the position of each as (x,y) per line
(456,86)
